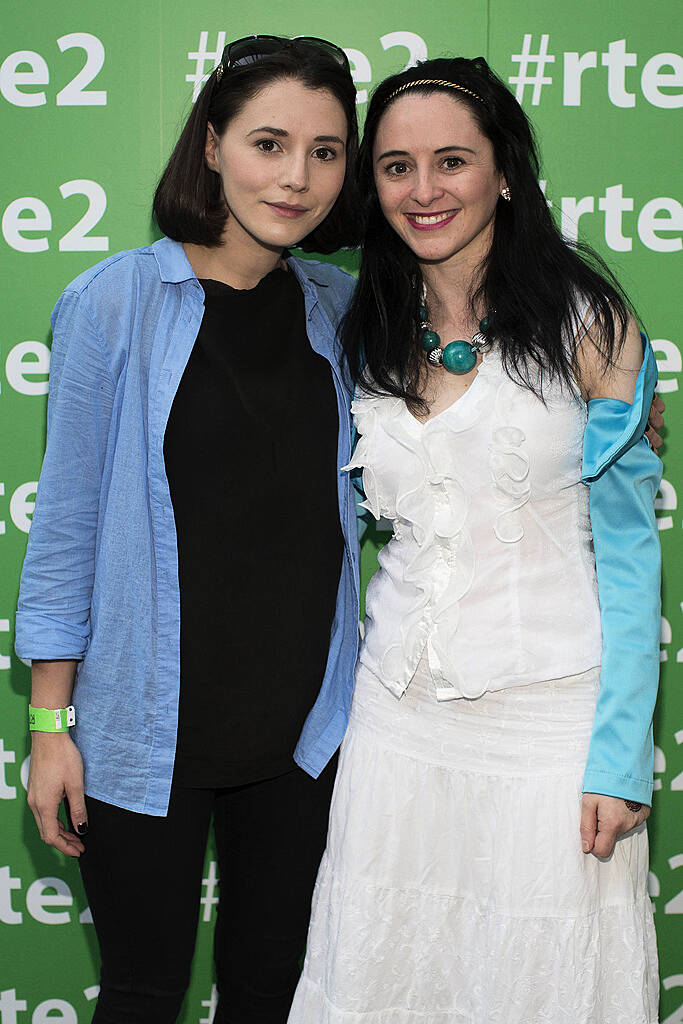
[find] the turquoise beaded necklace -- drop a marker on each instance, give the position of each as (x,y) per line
(456,357)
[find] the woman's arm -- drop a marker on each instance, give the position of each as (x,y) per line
(53,617)
(623,475)
(56,768)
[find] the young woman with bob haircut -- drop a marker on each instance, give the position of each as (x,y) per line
(487,853)
(191,581)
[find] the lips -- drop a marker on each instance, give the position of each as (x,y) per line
(288,210)
(431,221)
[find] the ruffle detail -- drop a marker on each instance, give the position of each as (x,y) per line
(509,465)
(429,508)
(486,504)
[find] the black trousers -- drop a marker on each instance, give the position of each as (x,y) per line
(143,876)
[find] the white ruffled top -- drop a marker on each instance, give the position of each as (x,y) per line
(490,570)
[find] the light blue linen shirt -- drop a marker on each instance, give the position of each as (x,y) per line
(100,580)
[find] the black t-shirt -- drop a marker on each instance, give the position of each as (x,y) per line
(251,458)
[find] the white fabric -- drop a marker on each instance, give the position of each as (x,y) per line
(491,538)
(454,890)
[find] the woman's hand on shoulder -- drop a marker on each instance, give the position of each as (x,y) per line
(604,819)
(655,422)
(56,772)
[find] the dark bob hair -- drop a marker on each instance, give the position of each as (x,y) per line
(189,205)
(534,283)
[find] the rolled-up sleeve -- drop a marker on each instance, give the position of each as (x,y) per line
(53,615)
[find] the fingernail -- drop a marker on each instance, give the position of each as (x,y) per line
(82,828)
(585,846)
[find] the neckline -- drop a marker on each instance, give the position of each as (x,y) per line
(273,276)
(458,403)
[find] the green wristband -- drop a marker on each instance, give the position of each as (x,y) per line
(51,720)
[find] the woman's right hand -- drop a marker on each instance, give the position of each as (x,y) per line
(655,422)
(56,772)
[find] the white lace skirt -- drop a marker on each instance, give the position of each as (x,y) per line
(454,889)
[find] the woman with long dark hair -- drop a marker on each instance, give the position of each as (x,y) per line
(191,581)
(487,853)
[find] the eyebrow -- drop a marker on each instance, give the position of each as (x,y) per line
(282,134)
(404,152)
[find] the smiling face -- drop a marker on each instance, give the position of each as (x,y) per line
(281,161)
(436,178)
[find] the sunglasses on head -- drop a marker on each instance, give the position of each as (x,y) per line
(251,49)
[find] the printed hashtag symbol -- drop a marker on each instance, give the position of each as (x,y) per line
(212,1005)
(201,57)
(210,885)
(524,59)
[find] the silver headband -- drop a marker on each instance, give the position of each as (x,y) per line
(434,81)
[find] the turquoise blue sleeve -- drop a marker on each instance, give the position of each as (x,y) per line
(623,474)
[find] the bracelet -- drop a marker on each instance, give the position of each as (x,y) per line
(51,720)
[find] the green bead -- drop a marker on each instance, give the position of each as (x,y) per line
(459,357)
(483,324)
(422,311)
(430,340)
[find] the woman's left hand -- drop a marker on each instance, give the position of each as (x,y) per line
(604,819)
(655,422)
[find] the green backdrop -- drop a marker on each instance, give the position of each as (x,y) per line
(91,98)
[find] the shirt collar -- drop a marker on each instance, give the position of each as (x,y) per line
(172,262)
(305,272)
(175,267)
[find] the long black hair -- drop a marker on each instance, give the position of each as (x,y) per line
(189,205)
(536,282)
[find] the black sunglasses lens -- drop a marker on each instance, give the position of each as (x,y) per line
(333,51)
(250,50)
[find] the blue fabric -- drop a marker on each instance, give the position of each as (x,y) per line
(624,475)
(614,425)
(100,580)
